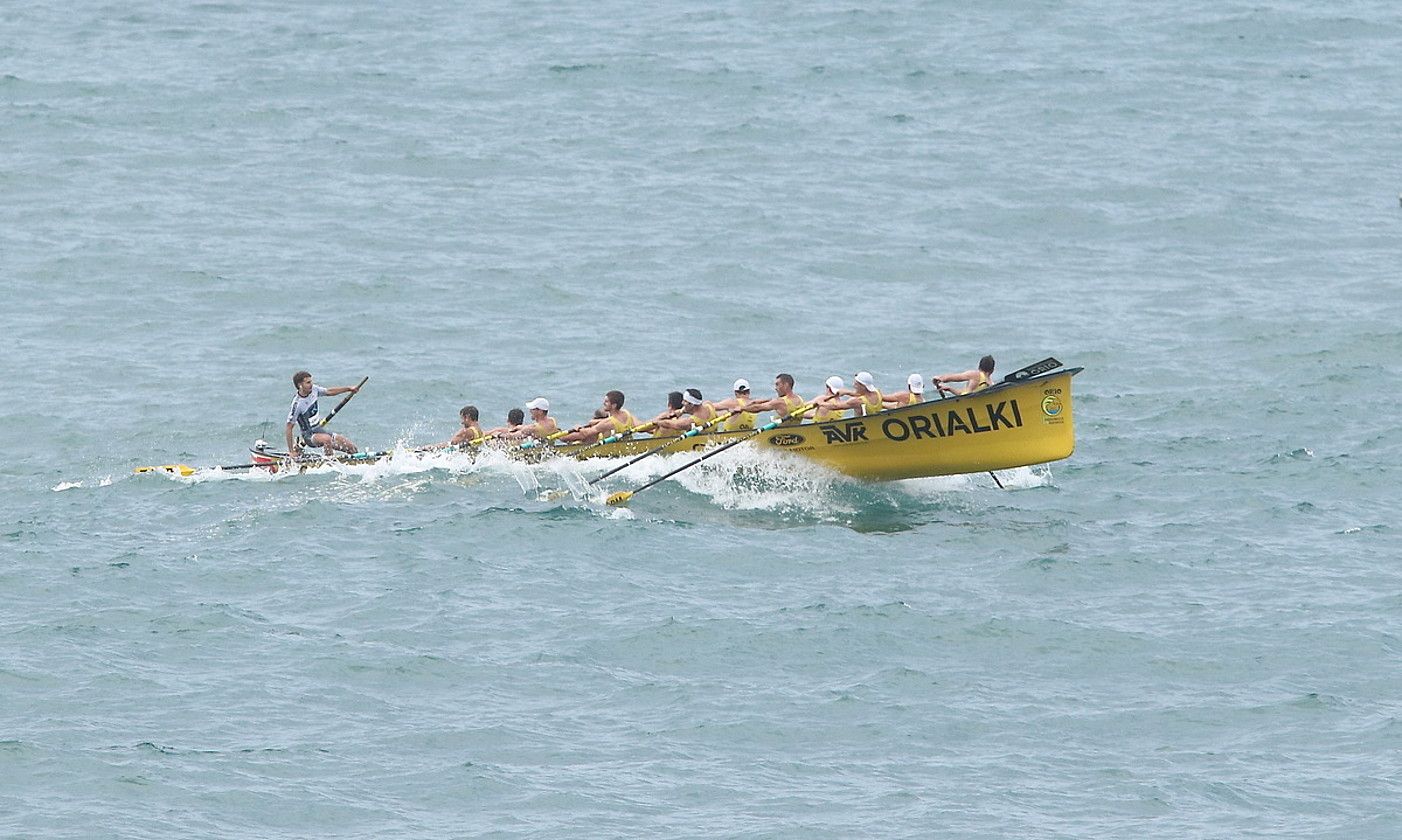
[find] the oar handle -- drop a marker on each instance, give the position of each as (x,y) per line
(767,427)
(692,432)
(342,404)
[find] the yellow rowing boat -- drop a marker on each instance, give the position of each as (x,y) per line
(1026,419)
(1011,424)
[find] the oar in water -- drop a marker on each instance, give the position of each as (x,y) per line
(187,470)
(622,496)
(692,432)
(943,392)
(613,438)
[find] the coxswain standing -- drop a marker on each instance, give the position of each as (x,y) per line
(306,419)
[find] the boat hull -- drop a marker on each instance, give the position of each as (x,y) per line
(1012,424)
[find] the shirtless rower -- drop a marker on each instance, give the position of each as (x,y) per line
(305,417)
(977,379)
(616,420)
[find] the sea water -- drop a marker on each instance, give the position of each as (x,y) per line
(1188,629)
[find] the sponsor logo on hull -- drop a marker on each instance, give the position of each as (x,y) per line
(971,420)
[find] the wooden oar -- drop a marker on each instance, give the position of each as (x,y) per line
(622,496)
(692,432)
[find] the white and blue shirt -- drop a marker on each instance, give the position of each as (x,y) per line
(304,410)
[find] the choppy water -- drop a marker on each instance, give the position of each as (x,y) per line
(1188,629)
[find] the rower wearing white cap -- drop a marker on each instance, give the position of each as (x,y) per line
(695,412)
(863,399)
(542,425)
(783,403)
(914,393)
(739,420)
(824,413)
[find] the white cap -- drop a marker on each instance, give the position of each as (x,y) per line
(865,380)
(834,383)
(692,396)
(539,402)
(916,383)
(741,385)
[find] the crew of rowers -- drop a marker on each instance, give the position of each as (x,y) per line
(687,410)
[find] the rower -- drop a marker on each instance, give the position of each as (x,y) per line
(914,393)
(738,421)
(616,421)
(825,412)
(304,415)
(695,412)
(542,425)
(673,411)
(863,399)
(515,418)
(783,403)
(977,379)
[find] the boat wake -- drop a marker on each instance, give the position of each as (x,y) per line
(744,479)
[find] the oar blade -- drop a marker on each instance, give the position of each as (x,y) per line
(619,498)
(173,469)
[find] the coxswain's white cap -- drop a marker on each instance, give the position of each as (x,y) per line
(865,380)
(539,402)
(916,383)
(692,396)
(834,383)
(741,385)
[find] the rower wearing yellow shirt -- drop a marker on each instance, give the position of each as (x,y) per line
(739,420)
(783,403)
(977,379)
(914,393)
(695,412)
(674,410)
(863,399)
(615,421)
(542,425)
(825,413)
